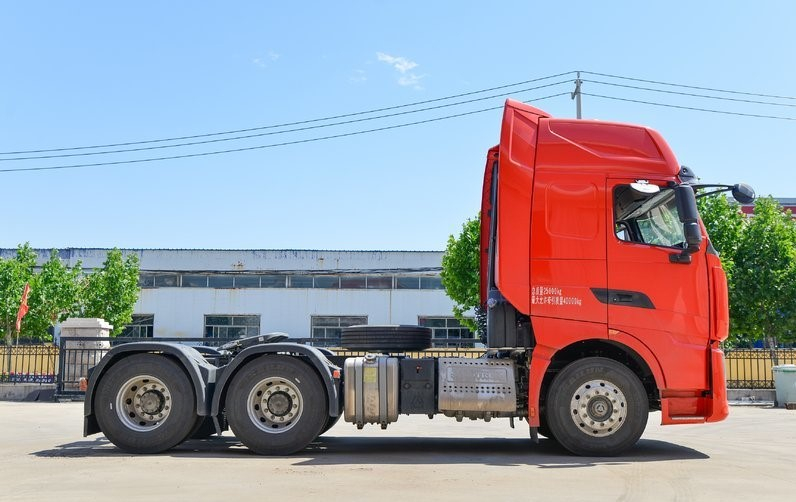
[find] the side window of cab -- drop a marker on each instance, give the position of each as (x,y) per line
(647,218)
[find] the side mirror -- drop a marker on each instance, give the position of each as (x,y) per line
(689,217)
(743,193)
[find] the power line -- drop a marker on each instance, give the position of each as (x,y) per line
(657,82)
(690,94)
(285,131)
(288,124)
(273,145)
(667,105)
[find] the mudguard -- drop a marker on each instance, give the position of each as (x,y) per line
(318,360)
(201,373)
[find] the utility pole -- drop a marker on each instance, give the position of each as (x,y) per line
(576,94)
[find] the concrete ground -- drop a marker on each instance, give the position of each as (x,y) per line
(750,456)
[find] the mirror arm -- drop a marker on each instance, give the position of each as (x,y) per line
(724,188)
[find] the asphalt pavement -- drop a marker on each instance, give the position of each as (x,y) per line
(751,457)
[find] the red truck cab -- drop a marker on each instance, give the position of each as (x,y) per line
(591,247)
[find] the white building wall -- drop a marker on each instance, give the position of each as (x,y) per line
(179,312)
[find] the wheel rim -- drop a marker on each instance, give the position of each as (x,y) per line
(275,405)
(598,408)
(143,403)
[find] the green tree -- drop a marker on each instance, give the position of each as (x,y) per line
(725,224)
(54,294)
(111,291)
(460,273)
(763,295)
(14,274)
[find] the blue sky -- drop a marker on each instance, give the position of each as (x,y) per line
(93,73)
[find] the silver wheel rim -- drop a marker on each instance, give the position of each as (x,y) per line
(275,405)
(143,403)
(598,408)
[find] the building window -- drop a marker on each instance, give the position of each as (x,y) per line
(328,329)
(142,326)
(448,328)
(431,283)
(231,326)
(352,282)
(167,281)
(300,281)
(220,281)
(194,281)
(247,281)
(407,282)
(327,282)
(273,281)
(379,281)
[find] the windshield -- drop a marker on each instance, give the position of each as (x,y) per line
(647,218)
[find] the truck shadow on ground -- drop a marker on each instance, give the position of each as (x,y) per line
(402,451)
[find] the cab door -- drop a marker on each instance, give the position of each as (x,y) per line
(662,302)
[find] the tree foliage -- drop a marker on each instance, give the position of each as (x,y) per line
(14,274)
(54,294)
(460,272)
(58,291)
(725,224)
(111,292)
(763,292)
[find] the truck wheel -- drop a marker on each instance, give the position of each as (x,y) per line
(276,405)
(329,424)
(145,403)
(203,428)
(596,407)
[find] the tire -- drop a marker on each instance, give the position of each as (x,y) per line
(145,403)
(276,405)
(597,407)
(386,338)
(330,422)
(203,428)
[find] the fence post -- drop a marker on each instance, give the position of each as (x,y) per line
(78,337)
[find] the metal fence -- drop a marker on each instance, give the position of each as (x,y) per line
(28,364)
(65,364)
(753,368)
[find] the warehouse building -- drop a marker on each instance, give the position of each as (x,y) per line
(304,293)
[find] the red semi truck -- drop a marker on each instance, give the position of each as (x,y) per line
(604,298)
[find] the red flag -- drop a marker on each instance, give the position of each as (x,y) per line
(23,306)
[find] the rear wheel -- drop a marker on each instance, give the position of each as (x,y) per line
(329,424)
(597,406)
(276,405)
(145,404)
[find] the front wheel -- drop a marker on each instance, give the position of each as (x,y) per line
(597,407)
(276,405)
(145,403)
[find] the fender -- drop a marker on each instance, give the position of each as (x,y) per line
(318,360)
(543,354)
(201,373)
(643,351)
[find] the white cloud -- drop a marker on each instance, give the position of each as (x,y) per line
(410,80)
(358,77)
(400,63)
(262,62)
(402,66)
